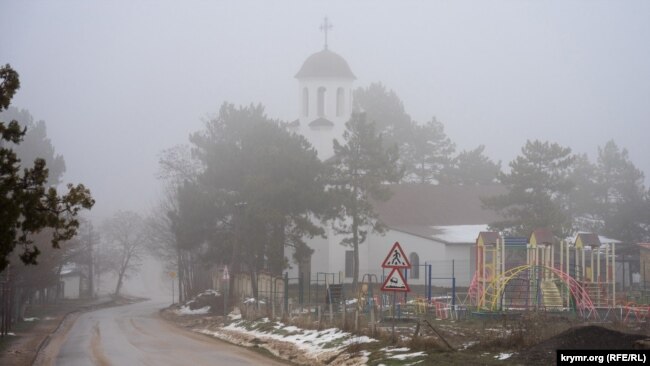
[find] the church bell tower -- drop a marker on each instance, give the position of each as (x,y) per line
(325,97)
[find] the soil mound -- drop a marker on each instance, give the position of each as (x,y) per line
(586,337)
(209,298)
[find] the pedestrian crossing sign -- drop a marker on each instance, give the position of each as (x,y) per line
(395,282)
(396,258)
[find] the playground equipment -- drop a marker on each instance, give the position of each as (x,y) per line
(538,272)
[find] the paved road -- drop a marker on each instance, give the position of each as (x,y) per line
(135,335)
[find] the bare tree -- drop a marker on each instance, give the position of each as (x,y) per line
(162,241)
(125,236)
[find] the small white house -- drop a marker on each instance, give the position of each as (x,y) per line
(73,282)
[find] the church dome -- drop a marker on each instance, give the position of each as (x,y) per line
(325,64)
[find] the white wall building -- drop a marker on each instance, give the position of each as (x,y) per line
(436,225)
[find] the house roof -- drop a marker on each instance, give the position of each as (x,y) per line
(433,211)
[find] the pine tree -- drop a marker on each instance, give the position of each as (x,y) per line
(621,196)
(28,204)
(361,167)
(428,152)
(538,185)
(471,168)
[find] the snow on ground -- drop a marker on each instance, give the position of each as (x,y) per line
(209,292)
(404,356)
(290,342)
(503,356)
(395,349)
(466,345)
(311,341)
(31,319)
(185,310)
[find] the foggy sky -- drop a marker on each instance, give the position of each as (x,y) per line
(117,82)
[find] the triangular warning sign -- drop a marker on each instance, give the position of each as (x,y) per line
(395,282)
(396,258)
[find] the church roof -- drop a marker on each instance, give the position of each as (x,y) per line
(422,209)
(325,64)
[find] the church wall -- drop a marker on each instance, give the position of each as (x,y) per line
(319,260)
(329,257)
(373,252)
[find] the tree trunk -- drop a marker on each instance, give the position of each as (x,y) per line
(91,270)
(120,278)
(179,269)
(355,242)
(119,285)
(304,272)
(276,253)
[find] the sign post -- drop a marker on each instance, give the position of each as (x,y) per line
(395,282)
(172,275)
(226,289)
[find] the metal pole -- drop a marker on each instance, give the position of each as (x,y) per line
(453,284)
(406,276)
(394,298)
(286,292)
(225,296)
(430,285)
(614,274)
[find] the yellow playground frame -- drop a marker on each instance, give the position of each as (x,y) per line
(540,272)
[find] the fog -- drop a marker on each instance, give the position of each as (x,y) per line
(117,82)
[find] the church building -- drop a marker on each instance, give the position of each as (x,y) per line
(435,225)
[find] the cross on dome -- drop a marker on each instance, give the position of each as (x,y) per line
(326,26)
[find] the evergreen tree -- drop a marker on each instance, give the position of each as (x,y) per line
(28,204)
(538,186)
(35,144)
(471,168)
(428,152)
(583,197)
(386,110)
(268,182)
(621,195)
(361,167)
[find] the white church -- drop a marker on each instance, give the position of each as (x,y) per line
(436,225)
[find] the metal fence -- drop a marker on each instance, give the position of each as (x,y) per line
(331,297)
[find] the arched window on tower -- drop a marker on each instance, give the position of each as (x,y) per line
(305,102)
(414,258)
(340,102)
(321,102)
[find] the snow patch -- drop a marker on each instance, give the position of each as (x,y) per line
(395,349)
(31,319)
(312,342)
(404,356)
(185,310)
(503,356)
